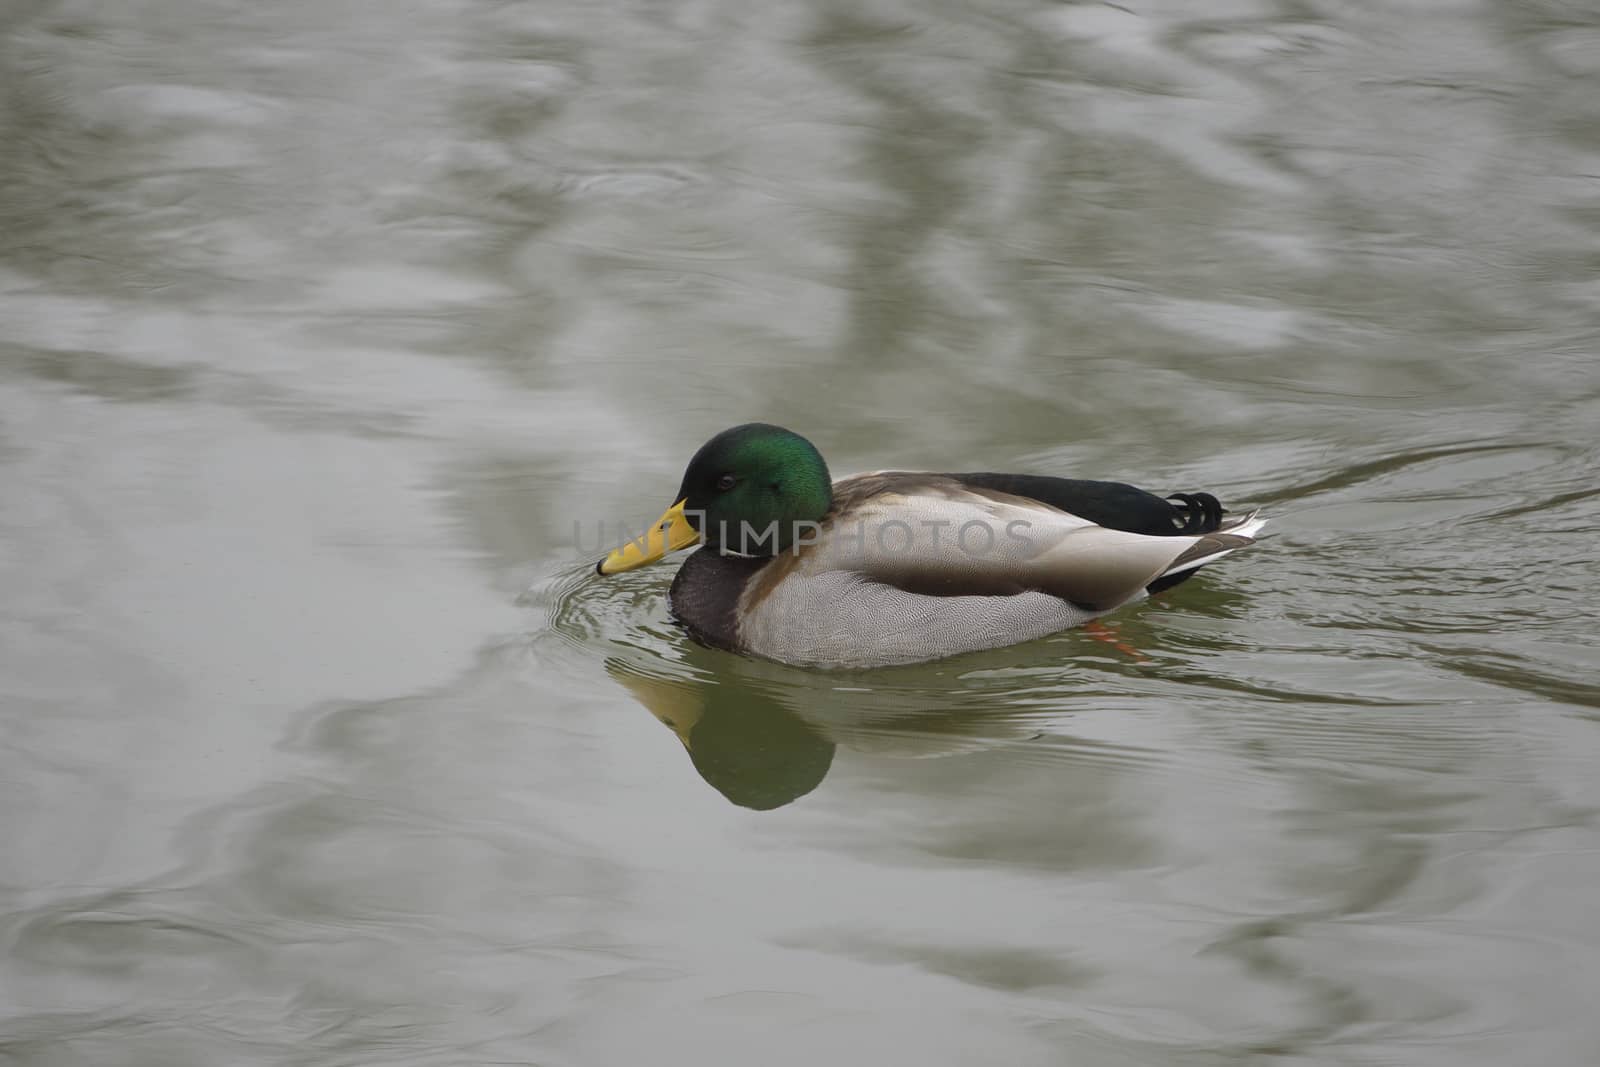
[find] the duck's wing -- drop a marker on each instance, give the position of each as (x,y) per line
(944,535)
(1114,505)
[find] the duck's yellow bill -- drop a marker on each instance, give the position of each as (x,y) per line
(670,533)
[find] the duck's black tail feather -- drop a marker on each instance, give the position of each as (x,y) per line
(1196,513)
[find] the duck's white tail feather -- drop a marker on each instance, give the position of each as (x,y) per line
(1231,536)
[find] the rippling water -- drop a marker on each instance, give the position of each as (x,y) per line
(332,331)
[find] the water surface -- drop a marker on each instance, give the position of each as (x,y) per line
(329,328)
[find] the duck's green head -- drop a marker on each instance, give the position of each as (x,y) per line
(754,490)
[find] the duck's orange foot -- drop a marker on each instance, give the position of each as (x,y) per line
(1101,632)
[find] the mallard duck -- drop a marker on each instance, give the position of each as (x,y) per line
(902,566)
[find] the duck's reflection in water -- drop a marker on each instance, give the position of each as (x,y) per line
(763,735)
(741,739)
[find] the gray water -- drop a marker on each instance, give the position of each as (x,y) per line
(330,332)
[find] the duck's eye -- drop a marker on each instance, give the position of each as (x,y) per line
(726,482)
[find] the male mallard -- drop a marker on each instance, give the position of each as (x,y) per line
(901,566)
